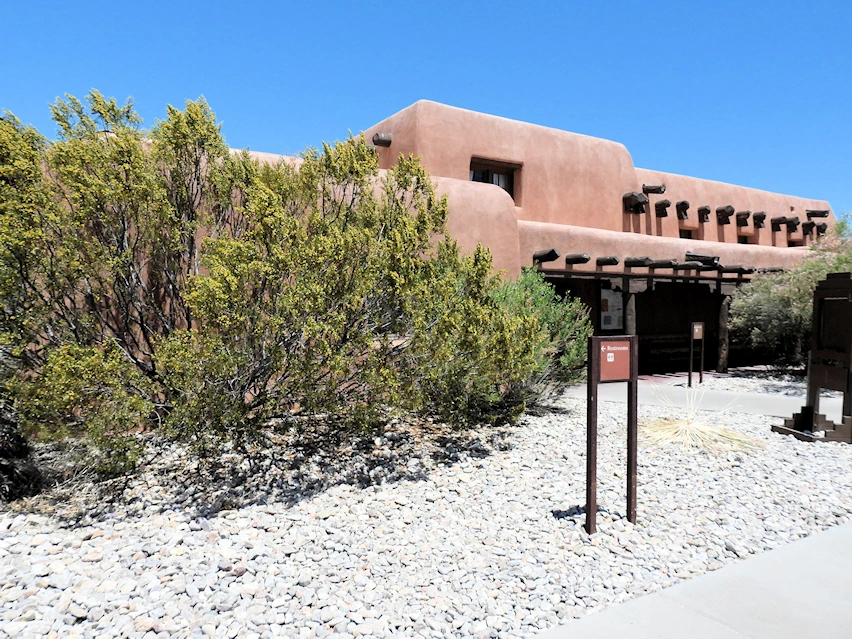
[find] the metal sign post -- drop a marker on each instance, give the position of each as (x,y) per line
(611,359)
(697,333)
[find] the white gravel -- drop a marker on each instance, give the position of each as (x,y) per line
(485,541)
(743,382)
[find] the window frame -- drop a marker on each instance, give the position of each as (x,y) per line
(490,168)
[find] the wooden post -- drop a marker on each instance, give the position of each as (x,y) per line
(724,308)
(691,354)
(632,429)
(847,398)
(629,310)
(592,436)
(696,332)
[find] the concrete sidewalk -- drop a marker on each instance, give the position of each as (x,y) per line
(657,392)
(800,590)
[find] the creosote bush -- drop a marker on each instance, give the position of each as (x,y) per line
(156,280)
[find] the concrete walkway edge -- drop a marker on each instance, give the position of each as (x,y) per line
(798,590)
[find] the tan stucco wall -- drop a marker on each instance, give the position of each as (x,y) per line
(536,236)
(578,182)
(569,192)
(700,192)
(269,158)
(481,213)
(566,178)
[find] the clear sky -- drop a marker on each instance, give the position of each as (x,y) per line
(752,92)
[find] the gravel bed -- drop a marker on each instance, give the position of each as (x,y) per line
(445,535)
(769,383)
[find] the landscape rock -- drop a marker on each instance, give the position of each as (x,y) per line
(483,544)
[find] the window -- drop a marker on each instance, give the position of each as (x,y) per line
(745,239)
(685,234)
(503,180)
(501,174)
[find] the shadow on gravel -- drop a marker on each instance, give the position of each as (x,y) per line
(571,513)
(575,513)
(548,409)
(291,468)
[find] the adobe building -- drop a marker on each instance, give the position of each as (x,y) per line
(648,252)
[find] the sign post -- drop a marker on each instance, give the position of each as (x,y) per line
(697,333)
(611,359)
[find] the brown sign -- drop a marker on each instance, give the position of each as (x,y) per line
(698,330)
(615,360)
(611,359)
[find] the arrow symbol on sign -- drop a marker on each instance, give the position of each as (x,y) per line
(603,348)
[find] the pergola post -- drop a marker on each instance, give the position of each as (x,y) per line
(724,308)
(629,308)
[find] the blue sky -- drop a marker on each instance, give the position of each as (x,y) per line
(755,93)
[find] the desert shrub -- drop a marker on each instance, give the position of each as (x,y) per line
(208,380)
(468,352)
(98,237)
(323,291)
(92,393)
(774,311)
(19,476)
(340,296)
(301,304)
(98,230)
(560,347)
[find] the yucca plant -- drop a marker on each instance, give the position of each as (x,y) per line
(693,433)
